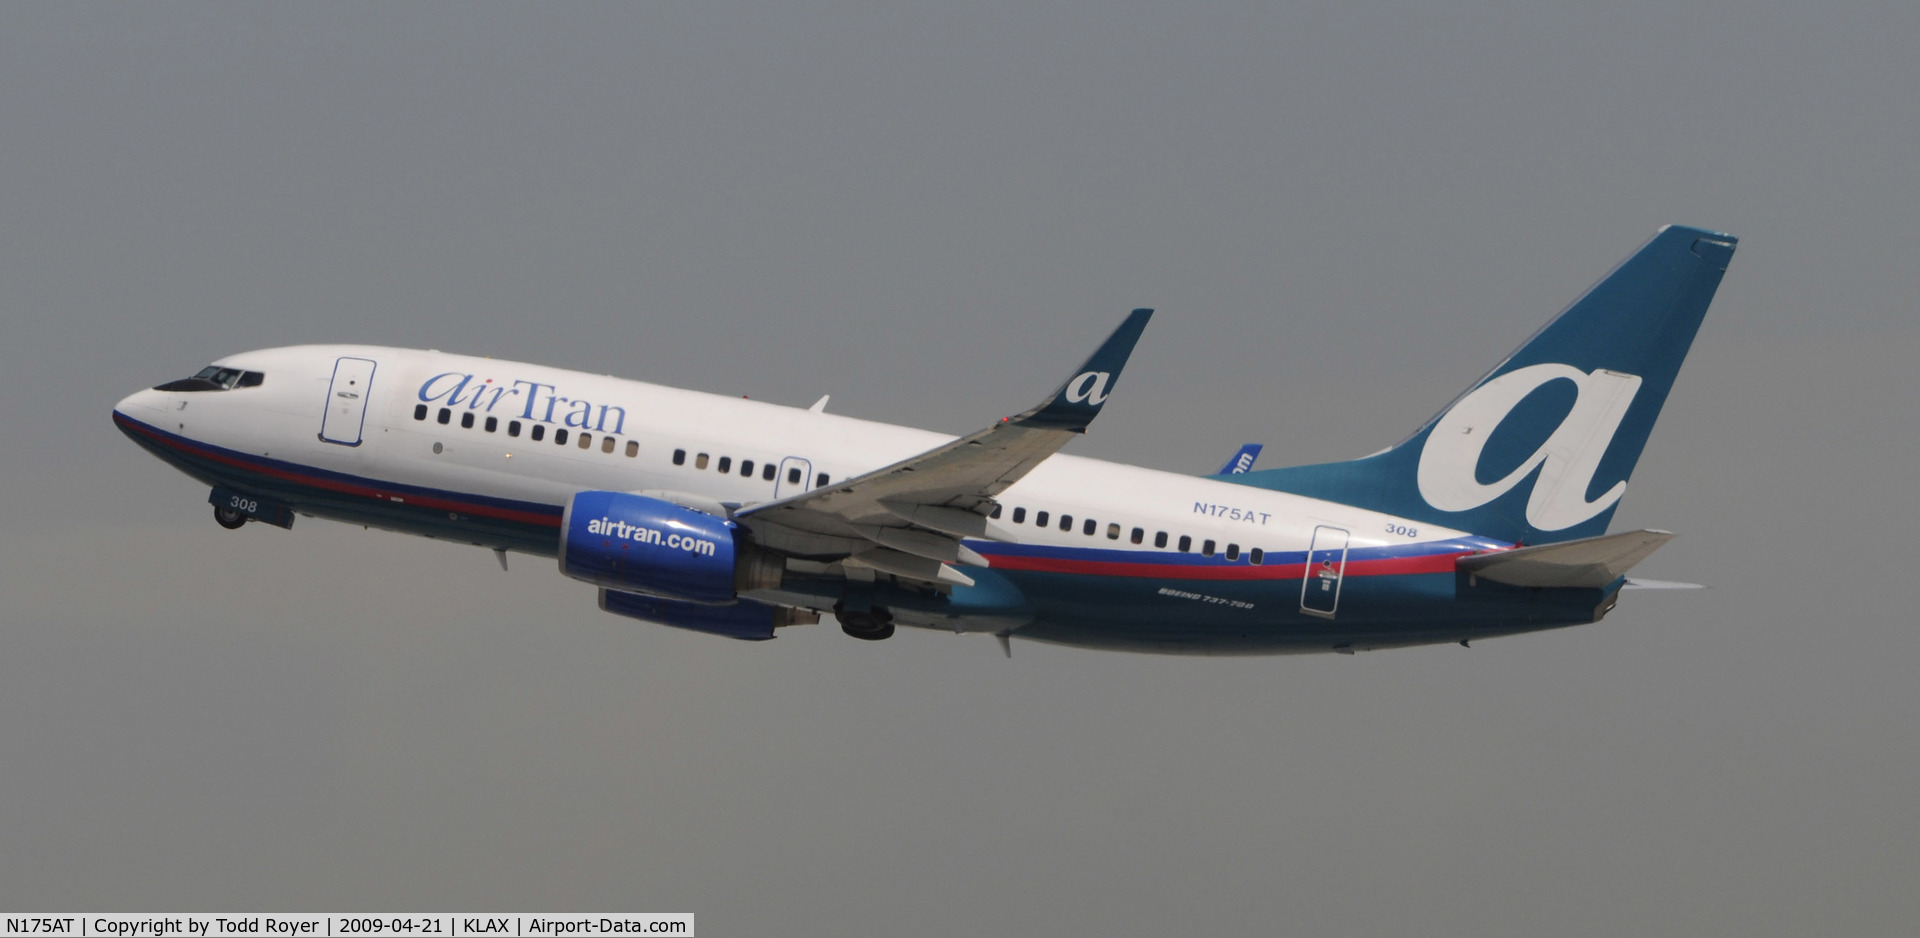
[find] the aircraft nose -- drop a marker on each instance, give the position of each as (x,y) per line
(145,401)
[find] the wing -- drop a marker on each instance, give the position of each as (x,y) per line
(907,519)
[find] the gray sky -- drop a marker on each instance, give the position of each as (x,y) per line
(1345,212)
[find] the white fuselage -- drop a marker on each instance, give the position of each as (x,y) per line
(489,452)
(282,419)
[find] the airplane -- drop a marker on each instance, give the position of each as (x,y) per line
(738,518)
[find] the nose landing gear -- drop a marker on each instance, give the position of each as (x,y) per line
(232,510)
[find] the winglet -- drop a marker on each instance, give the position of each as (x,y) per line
(1241,461)
(1074,405)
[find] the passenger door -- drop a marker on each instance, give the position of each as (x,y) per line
(347,401)
(1326,568)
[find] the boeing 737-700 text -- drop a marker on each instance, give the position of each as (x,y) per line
(738,517)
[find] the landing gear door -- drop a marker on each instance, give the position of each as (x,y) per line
(793,478)
(347,401)
(1326,568)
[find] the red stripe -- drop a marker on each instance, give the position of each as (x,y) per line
(1389,566)
(348,488)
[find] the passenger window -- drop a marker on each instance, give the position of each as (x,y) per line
(606,444)
(1233,552)
(560,437)
(1186,543)
(1113,532)
(633,448)
(1139,534)
(466,420)
(726,464)
(1066,522)
(1159,538)
(1019,516)
(513,428)
(822,481)
(493,423)
(700,461)
(996,513)
(1207,548)
(538,433)
(1089,526)
(1040,519)
(746,468)
(767,471)
(1256,556)
(444,416)
(679,457)
(586,440)
(419,411)
(793,476)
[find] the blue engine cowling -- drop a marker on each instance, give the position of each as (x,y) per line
(644,545)
(745,620)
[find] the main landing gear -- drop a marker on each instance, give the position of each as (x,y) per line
(228,518)
(871,624)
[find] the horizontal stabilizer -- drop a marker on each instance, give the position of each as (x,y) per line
(1589,562)
(1636,583)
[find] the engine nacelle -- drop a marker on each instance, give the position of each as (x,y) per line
(643,545)
(745,620)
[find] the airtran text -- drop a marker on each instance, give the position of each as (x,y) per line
(527,400)
(608,527)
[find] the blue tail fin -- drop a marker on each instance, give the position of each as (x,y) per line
(1540,449)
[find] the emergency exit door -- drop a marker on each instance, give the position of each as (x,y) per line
(793,478)
(347,401)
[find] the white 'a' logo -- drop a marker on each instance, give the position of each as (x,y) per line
(1567,460)
(1089,387)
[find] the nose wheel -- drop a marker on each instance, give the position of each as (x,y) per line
(872,624)
(228,518)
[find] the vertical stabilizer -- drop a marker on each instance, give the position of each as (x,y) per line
(1540,449)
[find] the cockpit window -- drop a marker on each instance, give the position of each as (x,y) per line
(226,378)
(216,378)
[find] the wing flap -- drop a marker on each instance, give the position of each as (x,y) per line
(1589,562)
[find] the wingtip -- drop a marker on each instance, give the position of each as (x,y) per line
(1075,403)
(1698,232)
